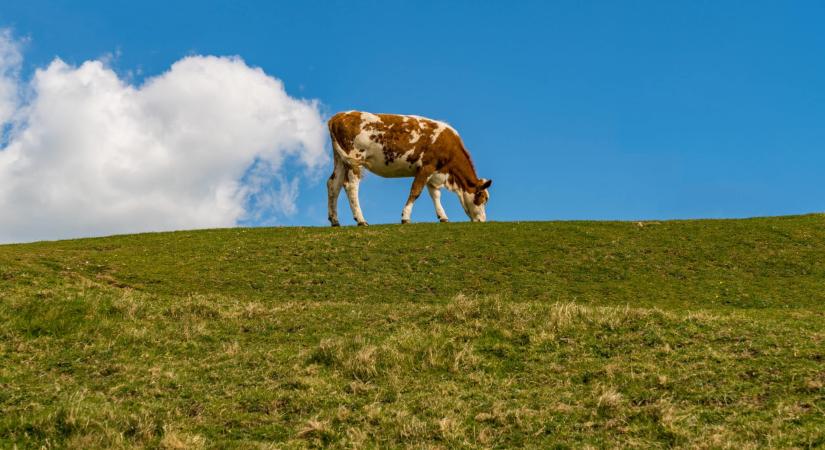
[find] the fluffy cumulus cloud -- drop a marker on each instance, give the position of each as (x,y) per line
(202,145)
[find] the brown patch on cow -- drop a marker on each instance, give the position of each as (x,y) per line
(444,153)
(394,134)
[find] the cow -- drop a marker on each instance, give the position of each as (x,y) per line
(391,145)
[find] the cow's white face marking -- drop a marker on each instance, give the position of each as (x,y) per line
(476,213)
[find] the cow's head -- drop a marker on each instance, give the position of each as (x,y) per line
(474,201)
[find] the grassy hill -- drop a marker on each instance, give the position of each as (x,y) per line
(703,333)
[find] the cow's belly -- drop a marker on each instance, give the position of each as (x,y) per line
(396,168)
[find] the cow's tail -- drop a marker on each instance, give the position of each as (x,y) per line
(338,153)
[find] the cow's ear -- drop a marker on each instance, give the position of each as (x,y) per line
(484,184)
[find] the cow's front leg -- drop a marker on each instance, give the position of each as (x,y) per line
(351,182)
(418,185)
(435,194)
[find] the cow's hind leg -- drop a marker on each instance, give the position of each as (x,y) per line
(418,185)
(334,184)
(435,194)
(352,179)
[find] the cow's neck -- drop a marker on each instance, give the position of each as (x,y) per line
(462,179)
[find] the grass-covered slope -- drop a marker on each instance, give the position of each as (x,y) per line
(691,333)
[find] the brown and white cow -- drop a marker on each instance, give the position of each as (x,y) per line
(393,145)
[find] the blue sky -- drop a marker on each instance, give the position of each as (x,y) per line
(576,110)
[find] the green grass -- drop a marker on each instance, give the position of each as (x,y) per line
(703,333)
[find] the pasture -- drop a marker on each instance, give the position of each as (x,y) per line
(707,333)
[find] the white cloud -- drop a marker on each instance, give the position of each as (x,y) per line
(197,146)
